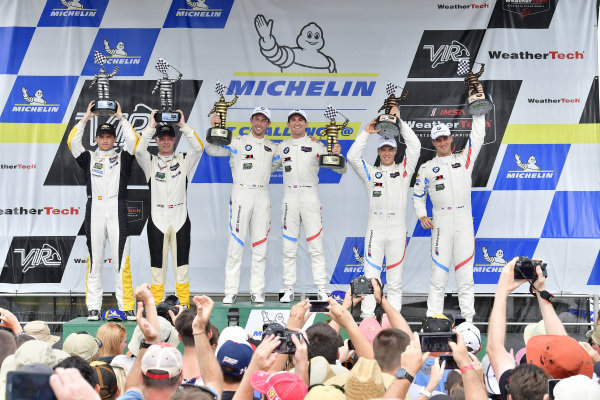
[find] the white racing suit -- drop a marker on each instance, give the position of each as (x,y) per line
(387,188)
(251,161)
(300,160)
(169,225)
(106,176)
(448,182)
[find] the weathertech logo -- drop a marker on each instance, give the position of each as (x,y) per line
(462,6)
(554,101)
(39,211)
(527,55)
(18,166)
(446,52)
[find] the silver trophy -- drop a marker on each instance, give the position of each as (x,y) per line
(104,105)
(164,86)
(389,124)
(219,134)
(478,102)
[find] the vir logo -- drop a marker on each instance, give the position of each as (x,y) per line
(46,255)
(447,52)
(498,259)
(37,99)
(307,54)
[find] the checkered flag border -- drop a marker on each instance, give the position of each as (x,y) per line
(463,67)
(390,88)
(162,66)
(220,88)
(99,58)
(330,112)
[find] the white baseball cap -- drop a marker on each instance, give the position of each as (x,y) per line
(385,141)
(262,110)
(299,112)
(471,335)
(439,130)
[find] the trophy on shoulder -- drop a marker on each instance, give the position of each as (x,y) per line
(219,134)
(478,102)
(332,131)
(104,105)
(164,85)
(389,124)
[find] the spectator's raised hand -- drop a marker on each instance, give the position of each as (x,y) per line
(377,289)
(173,315)
(338,313)
(344,352)
(459,351)
(413,359)
(351,301)
(301,357)
(204,306)
(263,357)
(144,294)
(8,320)
(507,282)
(590,350)
(298,315)
(68,384)
(151,333)
(437,373)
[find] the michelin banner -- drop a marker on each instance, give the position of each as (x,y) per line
(536,181)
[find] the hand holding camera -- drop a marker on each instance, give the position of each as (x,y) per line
(286,343)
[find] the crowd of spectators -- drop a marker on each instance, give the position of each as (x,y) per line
(382,358)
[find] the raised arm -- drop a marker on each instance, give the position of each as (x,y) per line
(355,152)
(475,141)
(142,155)
(75,138)
(396,319)
(130,137)
(192,156)
(343,317)
(413,148)
(219,151)
(210,370)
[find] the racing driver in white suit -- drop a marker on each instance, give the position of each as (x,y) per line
(106,174)
(447,179)
(169,225)
(300,158)
(252,159)
(387,186)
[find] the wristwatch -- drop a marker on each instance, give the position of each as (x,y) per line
(403,374)
(144,345)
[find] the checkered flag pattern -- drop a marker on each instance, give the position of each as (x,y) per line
(330,112)
(390,88)
(99,58)
(463,67)
(220,88)
(162,66)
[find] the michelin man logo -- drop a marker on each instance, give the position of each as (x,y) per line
(307,54)
(454,51)
(278,318)
(197,5)
(74,4)
(360,259)
(37,99)
(498,259)
(118,51)
(530,166)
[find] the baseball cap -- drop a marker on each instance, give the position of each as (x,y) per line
(532,330)
(436,323)
(491,383)
(577,387)
(235,356)
(106,128)
(235,334)
(594,334)
(163,359)
(559,356)
(329,392)
(82,344)
(262,110)
(40,331)
(439,130)
(106,377)
(471,335)
(168,334)
(163,130)
(114,314)
(385,141)
(299,112)
(370,327)
(281,385)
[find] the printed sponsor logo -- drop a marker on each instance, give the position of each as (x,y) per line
(491,255)
(439,52)
(282,87)
(14,41)
(523,14)
(20,210)
(38,99)
(198,14)
(525,7)
(527,55)
(471,6)
(548,100)
(350,262)
(36,259)
(20,166)
(73,13)
(130,49)
(531,167)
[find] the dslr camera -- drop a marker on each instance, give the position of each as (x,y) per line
(361,286)
(286,346)
(525,268)
(169,303)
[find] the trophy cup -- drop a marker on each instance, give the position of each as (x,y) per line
(478,102)
(103,106)
(165,92)
(389,124)
(220,135)
(332,130)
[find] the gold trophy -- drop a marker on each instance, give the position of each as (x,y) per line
(478,102)
(389,124)
(220,135)
(332,131)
